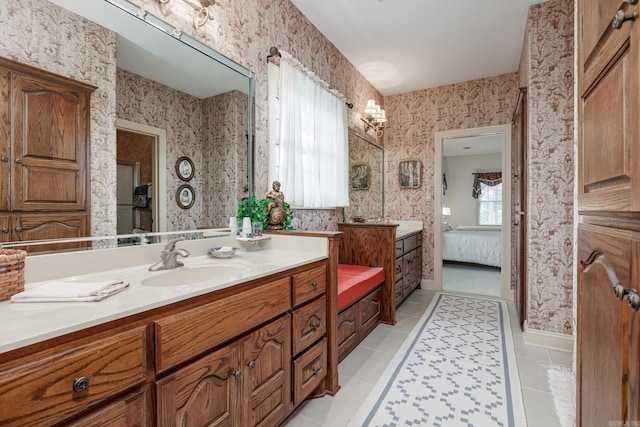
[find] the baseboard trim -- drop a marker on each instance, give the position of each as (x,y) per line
(546,339)
(429,285)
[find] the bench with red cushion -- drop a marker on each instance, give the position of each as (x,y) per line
(359,301)
(355,281)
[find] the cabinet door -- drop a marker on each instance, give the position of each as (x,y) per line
(5,135)
(40,226)
(609,155)
(603,325)
(205,393)
(128,411)
(267,374)
(50,134)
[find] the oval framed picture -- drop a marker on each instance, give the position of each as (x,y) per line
(184,168)
(185,196)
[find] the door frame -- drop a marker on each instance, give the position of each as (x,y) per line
(158,169)
(505,273)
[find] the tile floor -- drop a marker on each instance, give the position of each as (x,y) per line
(471,279)
(360,370)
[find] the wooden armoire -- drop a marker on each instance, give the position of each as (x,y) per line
(44,140)
(608,324)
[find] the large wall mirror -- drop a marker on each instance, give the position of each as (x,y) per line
(162,97)
(366,179)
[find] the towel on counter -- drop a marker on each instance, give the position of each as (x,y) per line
(60,291)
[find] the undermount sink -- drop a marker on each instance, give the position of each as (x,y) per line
(190,275)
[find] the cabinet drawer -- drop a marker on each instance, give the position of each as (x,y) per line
(187,334)
(398,291)
(130,410)
(399,248)
(399,268)
(309,370)
(42,392)
(309,324)
(309,284)
(410,243)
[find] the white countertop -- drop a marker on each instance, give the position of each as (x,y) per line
(22,324)
(407,227)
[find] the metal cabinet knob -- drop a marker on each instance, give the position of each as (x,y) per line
(315,325)
(237,374)
(80,384)
(18,160)
(18,229)
(315,370)
(620,18)
(5,230)
(4,158)
(251,364)
(619,291)
(314,285)
(633,300)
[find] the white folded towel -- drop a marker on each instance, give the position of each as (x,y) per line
(60,291)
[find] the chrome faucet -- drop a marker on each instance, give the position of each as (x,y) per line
(169,255)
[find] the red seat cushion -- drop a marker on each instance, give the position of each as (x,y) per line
(355,281)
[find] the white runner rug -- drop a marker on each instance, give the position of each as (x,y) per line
(456,368)
(563,385)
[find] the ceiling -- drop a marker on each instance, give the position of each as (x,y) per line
(490,143)
(406,45)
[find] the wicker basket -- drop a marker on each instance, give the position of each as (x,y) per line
(11,272)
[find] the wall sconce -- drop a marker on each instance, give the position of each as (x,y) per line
(375,119)
(200,6)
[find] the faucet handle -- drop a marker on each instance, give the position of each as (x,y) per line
(171,244)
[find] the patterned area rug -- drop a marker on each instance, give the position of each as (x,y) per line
(456,368)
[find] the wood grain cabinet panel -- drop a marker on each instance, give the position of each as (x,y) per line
(192,332)
(309,324)
(309,370)
(369,308)
(127,411)
(48,390)
(309,284)
(347,332)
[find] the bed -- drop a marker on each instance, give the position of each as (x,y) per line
(473,245)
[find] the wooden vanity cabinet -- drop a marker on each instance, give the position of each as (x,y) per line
(44,162)
(408,265)
(225,358)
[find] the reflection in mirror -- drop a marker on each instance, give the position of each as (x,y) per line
(366,176)
(200,99)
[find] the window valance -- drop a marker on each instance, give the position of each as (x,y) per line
(486,178)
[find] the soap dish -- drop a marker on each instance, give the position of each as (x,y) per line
(223,252)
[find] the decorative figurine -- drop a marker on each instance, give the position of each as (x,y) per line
(276,212)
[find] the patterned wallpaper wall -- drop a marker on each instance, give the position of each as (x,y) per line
(550,82)
(89,58)
(414,118)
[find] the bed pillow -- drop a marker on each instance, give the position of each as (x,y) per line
(446,227)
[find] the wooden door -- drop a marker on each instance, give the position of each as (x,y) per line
(5,138)
(603,325)
(50,125)
(266,370)
(609,81)
(205,393)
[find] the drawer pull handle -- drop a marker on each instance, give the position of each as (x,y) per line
(4,158)
(620,18)
(237,374)
(80,384)
(5,230)
(315,370)
(315,325)
(314,285)
(251,364)
(18,160)
(633,300)
(18,229)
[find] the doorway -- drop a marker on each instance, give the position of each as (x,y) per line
(142,154)
(478,219)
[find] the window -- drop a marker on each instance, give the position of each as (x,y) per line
(490,205)
(308,138)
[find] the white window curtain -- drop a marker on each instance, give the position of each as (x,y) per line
(313,154)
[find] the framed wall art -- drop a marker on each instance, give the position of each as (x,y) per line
(185,196)
(360,176)
(184,168)
(410,172)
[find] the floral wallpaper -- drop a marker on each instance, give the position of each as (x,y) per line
(550,71)
(414,118)
(244,30)
(89,58)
